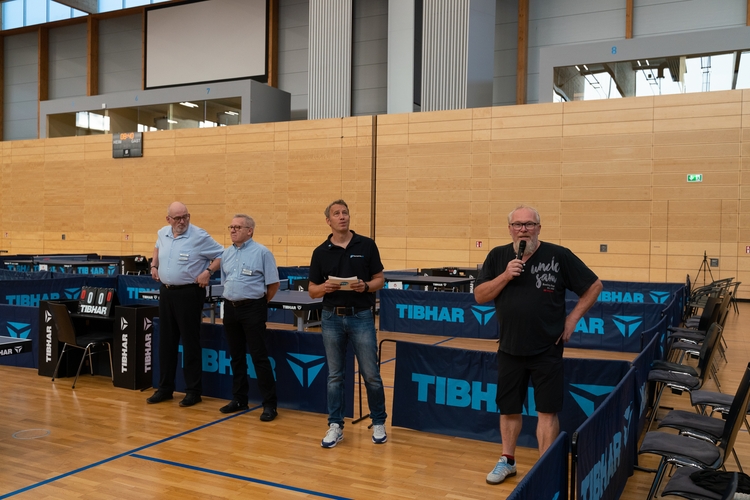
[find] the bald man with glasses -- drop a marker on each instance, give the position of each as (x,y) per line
(251,279)
(527,280)
(184,258)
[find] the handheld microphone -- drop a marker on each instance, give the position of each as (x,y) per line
(521,249)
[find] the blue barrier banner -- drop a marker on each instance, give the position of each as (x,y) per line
(548,479)
(439,389)
(298,360)
(129,289)
(614,326)
(20,322)
(635,292)
(291,273)
(606,444)
(31,292)
(437,313)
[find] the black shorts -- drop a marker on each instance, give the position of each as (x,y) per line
(546,373)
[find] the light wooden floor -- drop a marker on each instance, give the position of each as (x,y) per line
(97,442)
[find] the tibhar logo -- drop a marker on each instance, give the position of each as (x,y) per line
(147,323)
(659,297)
(123,324)
(456,392)
(19,330)
(620,297)
(305,367)
(47,316)
(597,480)
(483,313)
(430,313)
(18,349)
(600,393)
(72,293)
(627,324)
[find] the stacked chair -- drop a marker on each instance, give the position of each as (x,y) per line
(707,452)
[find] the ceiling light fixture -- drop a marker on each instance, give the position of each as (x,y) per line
(189,104)
(585,67)
(171,121)
(233,113)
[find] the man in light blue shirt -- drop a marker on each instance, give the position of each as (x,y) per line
(250,279)
(184,258)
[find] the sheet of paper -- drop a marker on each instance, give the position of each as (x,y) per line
(346,283)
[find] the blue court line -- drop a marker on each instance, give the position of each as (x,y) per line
(125,454)
(242,478)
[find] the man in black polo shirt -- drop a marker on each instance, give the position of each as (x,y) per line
(348,316)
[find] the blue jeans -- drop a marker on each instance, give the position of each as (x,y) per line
(360,330)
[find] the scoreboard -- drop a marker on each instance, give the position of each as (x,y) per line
(127,145)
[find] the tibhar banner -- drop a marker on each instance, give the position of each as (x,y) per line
(32,292)
(606,444)
(298,360)
(439,389)
(613,326)
(436,313)
(635,292)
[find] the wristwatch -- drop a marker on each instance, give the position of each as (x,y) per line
(210,272)
(367,287)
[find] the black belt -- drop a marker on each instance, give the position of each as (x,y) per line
(177,287)
(238,303)
(345,311)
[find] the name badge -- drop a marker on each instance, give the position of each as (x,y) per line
(247,272)
(184,256)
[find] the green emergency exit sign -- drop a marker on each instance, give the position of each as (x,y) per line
(695,177)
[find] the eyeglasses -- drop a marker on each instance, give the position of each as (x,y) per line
(237,228)
(180,218)
(530,226)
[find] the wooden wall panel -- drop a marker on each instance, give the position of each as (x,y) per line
(601,173)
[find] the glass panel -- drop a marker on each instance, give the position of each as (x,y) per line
(108,5)
(223,112)
(136,3)
(79,13)
(12,14)
(743,76)
(58,11)
(653,76)
(36,12)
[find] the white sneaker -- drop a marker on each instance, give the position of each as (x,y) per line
(333,436)
(378,434)
(502,470)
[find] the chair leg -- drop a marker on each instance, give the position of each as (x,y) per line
(657,479)
(656,407)
(80,365)
(111,370)
(57,366)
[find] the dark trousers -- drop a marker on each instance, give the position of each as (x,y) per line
(245,327)
(180,316)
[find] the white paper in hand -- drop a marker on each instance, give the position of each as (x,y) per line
(345,283)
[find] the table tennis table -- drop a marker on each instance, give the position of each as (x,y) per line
(11,345)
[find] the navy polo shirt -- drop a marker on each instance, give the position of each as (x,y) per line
(360,258)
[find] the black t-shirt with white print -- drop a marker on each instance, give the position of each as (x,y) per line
(531,308)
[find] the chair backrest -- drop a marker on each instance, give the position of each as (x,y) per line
(710,313)
(61,316)
(737,412)
(709,350)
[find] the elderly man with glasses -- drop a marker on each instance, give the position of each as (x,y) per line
(184,258)
(527,280)
(250,279)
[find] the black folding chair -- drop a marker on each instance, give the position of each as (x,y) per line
(683,378)
(66,333)
(682,485)
(684,451)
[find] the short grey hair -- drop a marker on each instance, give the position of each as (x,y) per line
(337,202)
(520,207)
(249,222)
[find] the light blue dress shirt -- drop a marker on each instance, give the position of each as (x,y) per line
(247,270)
(184,257)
